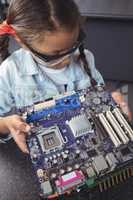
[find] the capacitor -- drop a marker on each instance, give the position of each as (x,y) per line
(77,152)
(50,158)
(67,151)
(53,175)
(60,161)
(54,156)
(97,101)
(34,156)
(36,147)
(58,154)
(62,171)
(54,161)
(76,166)
(40,173)
(78,141)
(64,130)
(41,179)
(92,108)
(62,152)
(46,159)
(49,115)
(69,168)
(49,165)
(100,88)
(65,156)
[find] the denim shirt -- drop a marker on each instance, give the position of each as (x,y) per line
(22,82)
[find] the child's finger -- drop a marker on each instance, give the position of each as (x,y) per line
(126,110)
(22,126)
(20,139)
(117,97)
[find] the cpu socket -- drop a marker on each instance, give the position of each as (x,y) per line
(50,138)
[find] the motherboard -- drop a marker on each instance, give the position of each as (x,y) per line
(79,140)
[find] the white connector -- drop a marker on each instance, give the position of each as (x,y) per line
(117,127)
(44,105)
(109,130)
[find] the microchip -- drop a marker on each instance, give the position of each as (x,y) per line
(100,164)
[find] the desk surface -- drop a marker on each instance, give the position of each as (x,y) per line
(18,182)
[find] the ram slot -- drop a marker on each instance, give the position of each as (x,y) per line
(109,130)
(123,122)
(117,127)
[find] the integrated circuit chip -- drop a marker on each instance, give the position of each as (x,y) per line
(100,164)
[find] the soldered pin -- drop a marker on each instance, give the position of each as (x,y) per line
(116,178)
(105,185)
(100,187)
(128,173)
(120,177)
(124,175)
(109,182)
(112,180)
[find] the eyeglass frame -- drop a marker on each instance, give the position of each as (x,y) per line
(49,58)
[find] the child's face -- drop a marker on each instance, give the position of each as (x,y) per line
(57,43)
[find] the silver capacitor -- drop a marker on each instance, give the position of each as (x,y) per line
(65,156)
(96,100)
(53,175)
(76,166)
(62,171)
(69,169)
(55,161)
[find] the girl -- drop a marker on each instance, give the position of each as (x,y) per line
(52,59)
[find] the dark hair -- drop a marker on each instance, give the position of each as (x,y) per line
(3,40)
(31,18)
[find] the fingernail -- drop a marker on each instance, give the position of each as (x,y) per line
(27,128)
(26,151)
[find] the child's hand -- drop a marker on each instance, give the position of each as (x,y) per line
(119,99)
(18,129)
